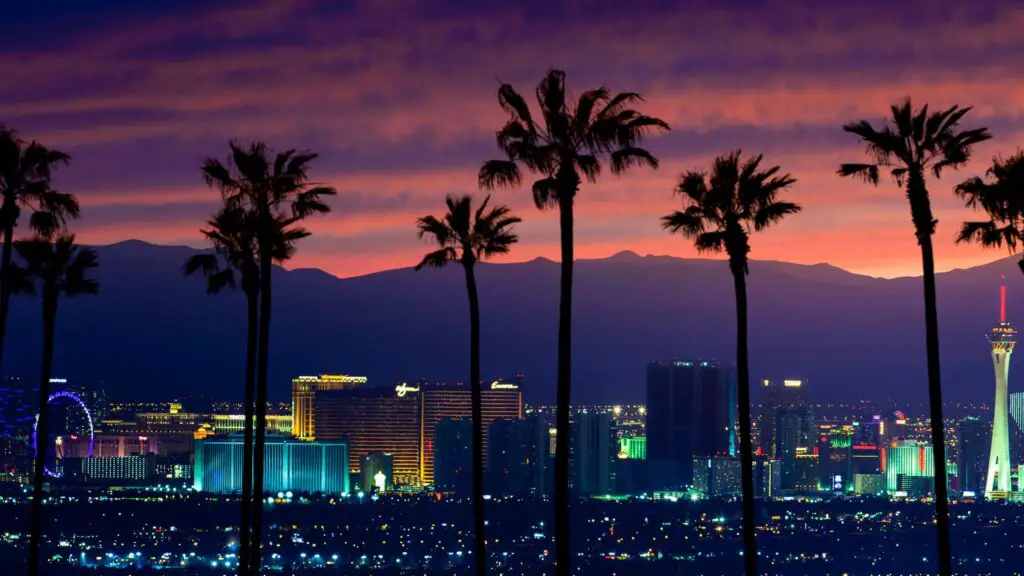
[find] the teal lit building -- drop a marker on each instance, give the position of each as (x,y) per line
(290,465)
(905,462)
(633,447)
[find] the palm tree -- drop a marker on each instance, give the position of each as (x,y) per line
(234,241)
(467,238)
(570,141)
(52,268)
(1002,199)
(720,211)
(25,171)
(910,144)
(276,194)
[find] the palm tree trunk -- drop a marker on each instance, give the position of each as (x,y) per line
(480,541)
(746,451)
(245,530)
(5,286)
(563,545)
(931,318)
(42,435)
(261,408)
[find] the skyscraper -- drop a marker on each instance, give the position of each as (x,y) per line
(520,460)
(777,393)
(453,455)
(975,437)
(304,389)
(499,399)
(315,467)
(374,419)
(1017,409)
(691,413)
(904,460)
(794,437)
(1002,338)
(594,450)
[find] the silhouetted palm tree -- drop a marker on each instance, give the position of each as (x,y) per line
(909,145)
(235,262)
(720,211)
(52,269)
(1002,198)
(570,142)
(467,238)
(276,194)
(25,170)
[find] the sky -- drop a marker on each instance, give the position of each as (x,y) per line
(399,99)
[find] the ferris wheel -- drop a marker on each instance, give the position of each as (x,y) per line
(73,400)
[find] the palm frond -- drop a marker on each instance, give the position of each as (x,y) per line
(866,172)
(499,174)
(438,258)
(773,213)
(627,157)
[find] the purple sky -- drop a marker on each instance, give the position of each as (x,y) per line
(398,97)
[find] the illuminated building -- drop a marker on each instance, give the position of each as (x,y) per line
(974,438)
(906,458)
(375,419)
(868,484)
(767,477)
(633,447)
(866,459)
(110,446)
(717,476)
(376,472)
(777,393)
(304,389)
(17,413)
(521,457)
(291,465)
(593,450)
(453,456)
(279,424)
(835,460)
(691,414)
(794,435)
(1002,338)
(1017,409)
(105,468)
(499,399)
(805,471)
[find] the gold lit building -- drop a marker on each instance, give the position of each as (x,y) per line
(374,419)
(499,400)
(304,389)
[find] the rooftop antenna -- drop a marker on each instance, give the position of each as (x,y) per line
(1002,300)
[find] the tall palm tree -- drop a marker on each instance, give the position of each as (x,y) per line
(233,263)
(909,145)
(277,194)
(1002,198)
(570,141)
(469,237)
(25,172)
(720,211)
(53,269)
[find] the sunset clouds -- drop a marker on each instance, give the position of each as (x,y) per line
(398,97)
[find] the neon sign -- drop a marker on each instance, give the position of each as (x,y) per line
(499,385)
(403,389)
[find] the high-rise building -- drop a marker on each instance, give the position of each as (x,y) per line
(593,452)
(291,465)
(136,468)
(1002,339)
(972,455)
(304,389)
(453,456)
(1017,409)
(868,484)
(375,419)
(794,435)
(835,458)
(279,424)
(904,459)
(776,394)
(499,399)
(806,475)
(376,472)
(691,414)
(767,477)
(521,457)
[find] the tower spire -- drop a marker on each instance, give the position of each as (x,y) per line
(1002,299)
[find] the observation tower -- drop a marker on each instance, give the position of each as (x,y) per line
(1002,338)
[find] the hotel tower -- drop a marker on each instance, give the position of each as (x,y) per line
(1003,337)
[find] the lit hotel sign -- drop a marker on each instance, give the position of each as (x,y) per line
(403,389)
(792,383)
(498,385)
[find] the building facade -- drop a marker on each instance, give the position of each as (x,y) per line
(304,390)
(290,465)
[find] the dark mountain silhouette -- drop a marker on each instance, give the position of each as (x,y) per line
(153,334)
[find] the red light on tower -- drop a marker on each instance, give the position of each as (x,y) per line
(1002,300)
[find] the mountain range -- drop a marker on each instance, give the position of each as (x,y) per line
(154,334)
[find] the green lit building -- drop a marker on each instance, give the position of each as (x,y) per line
(633,447)
(290,465)
(905,460)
